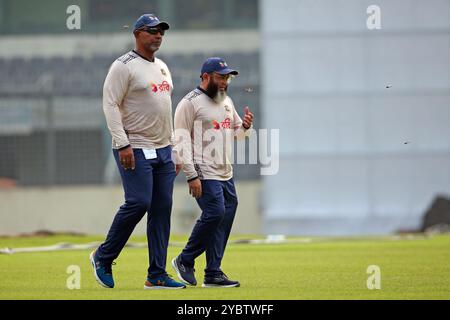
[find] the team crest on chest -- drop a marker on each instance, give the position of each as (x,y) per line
(163,72)
(227,108)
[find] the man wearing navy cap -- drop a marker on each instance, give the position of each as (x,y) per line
(138,110)
(208,112)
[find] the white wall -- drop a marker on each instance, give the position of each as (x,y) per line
(91,209)
(345,167)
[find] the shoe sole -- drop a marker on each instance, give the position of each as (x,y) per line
(174,266)
(162,288)
(220,286)
(91,258)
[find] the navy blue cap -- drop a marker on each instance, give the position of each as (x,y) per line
(216,64)
(150,20)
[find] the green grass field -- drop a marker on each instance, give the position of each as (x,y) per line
(325,268)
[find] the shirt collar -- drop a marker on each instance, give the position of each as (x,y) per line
(143,56)
(204,91)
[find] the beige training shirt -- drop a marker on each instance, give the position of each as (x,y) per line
(204,135)
(137,102)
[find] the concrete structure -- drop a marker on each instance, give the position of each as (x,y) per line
(363,114)
(90,209)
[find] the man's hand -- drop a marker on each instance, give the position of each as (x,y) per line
(177,168)
(248,118)
(195,188)
(126,157)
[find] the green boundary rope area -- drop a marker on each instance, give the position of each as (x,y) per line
(270,239)
(295,268)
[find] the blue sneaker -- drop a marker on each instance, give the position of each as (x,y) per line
(185,274)
(163,282)
(103,273)
(220,281)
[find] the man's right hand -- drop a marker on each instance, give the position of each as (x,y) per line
(195,188)
(126,157)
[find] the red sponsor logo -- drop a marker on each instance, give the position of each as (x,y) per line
(164,86)
(216,125)
(225,124)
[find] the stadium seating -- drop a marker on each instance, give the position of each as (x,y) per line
(52,106)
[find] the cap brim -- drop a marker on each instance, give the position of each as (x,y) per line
(164,25)
(228,71)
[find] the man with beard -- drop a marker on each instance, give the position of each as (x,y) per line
(205,120)
(138,110)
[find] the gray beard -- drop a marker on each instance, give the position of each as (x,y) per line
(152,47)
(220,96)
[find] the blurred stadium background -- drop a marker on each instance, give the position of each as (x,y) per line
(363,114)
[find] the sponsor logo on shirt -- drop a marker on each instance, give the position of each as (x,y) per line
(216,125)
(163,86)
(225,124)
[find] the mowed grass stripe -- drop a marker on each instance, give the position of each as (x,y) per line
(325,269)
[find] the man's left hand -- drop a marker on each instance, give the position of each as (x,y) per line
(248,118)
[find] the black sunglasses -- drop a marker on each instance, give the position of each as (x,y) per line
(153,30)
